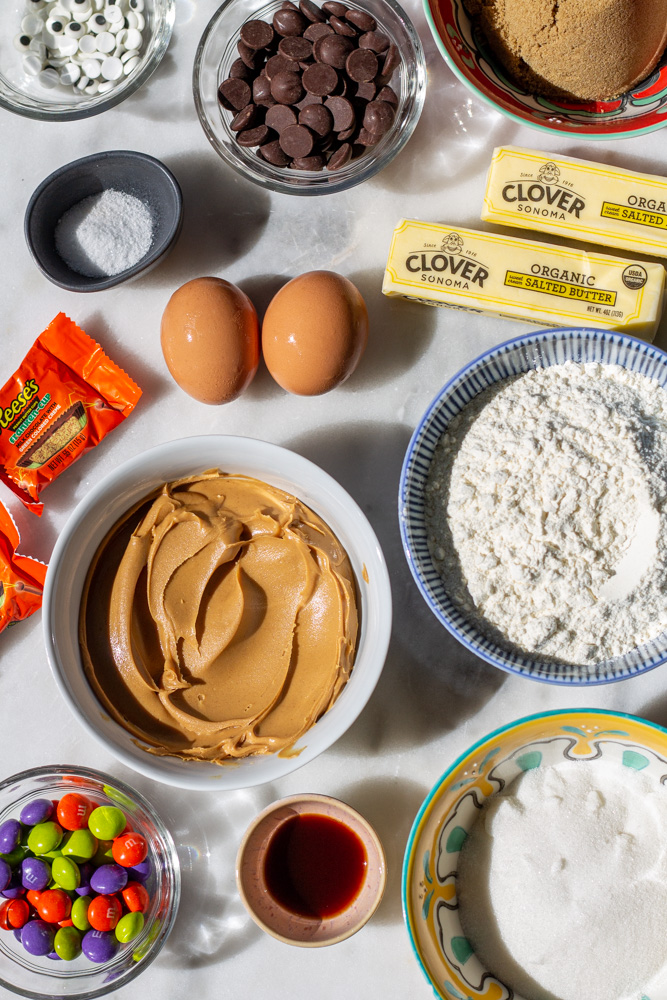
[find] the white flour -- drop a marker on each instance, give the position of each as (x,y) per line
(562,883)
(546,511)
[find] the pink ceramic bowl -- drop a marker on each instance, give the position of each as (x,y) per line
(253,874)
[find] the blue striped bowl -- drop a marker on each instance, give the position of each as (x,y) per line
(536,350)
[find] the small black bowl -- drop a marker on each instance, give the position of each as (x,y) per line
(122,170)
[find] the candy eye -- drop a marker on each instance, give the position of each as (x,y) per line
(74,29)
(98,23)
(55,26)
(22,42)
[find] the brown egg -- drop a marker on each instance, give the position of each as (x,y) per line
(210,339)
(314,332)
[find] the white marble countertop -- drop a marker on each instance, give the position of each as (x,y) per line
(434,698)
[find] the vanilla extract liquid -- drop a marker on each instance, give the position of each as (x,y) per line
(315,865)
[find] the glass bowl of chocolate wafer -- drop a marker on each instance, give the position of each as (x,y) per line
(310,98)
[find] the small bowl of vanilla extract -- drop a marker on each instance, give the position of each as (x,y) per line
(311,870)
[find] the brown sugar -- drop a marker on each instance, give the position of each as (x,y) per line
(583,49)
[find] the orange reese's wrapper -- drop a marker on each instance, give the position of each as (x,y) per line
(21,578)
(64,398)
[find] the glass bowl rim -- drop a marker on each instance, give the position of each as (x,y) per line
(27,106)
(268,177)
(55,771)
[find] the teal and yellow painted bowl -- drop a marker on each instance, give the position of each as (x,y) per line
(430,905)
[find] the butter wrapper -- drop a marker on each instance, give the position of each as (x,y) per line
(578,199)
(540,283)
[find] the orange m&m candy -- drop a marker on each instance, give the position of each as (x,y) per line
(18,913)
(54,905)
(136,897)
(129,849)
(104,912)
(73,811)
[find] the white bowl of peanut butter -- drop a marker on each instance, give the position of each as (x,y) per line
(217,612)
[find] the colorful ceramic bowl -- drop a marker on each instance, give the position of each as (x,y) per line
(536,350)
(467,53)
(429,883)
(282,922)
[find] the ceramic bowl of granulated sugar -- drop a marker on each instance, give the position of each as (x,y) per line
(537,865)
(103,220)
(531,506)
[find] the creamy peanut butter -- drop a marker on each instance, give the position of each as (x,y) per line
(223,623)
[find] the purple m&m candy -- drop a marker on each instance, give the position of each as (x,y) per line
(37,811)
(10,835)
(37,937)
(5,874)
(99,946)
(108,879)
(86,872)
(35,874)
(141,871)
(15,887)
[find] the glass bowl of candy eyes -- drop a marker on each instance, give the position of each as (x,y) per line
(91,883)
(71,59)
(319,104)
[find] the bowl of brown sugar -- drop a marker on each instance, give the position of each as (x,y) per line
(595,68)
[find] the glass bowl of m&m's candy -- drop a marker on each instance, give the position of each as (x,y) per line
(90,883)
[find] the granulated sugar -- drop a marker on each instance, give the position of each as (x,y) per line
(546,512)
(562,883)
(104,234)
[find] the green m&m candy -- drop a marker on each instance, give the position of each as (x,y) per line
(106,822)
(129,926)
(45,837)
(103,855)
(67,943)
(15,857)
(79,845)
(79,914)
(66,874)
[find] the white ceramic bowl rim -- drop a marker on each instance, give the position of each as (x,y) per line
(514,356)
(113,495)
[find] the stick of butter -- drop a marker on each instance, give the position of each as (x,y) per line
(521,279)
(586,201)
